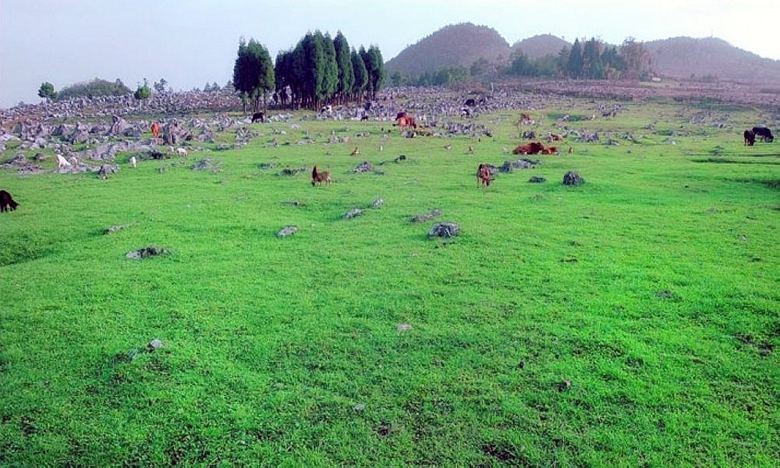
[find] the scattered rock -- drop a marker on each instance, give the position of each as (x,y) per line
(365,166)
(573,178)
(377,203)
(537,180)
(353,213)
(107,169)
(115,228)
(423,217)
(287,231)
(291,171)
(400,158)
(404,327)
(360,407)
(154,345)
(151,251)
(445,230)
(564,386)
(206,165)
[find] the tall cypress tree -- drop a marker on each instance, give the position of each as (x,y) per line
(591,58)
(361,75)
(574,65)
(377,72)
(253,71)
(330,68)
(345,68)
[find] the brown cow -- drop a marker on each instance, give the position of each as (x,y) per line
(155,129)
(406,121)
(550,150)
(534,147)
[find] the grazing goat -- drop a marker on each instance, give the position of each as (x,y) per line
(133,161)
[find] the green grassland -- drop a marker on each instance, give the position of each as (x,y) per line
(653,289)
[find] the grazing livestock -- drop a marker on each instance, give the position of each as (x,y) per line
(133,161)
(155,130)
(764,133)
(550,150)
(406,121)
(750,137)
(470,102)
(534,147)
(525,119)
(319,177)
(7,202)
(483,175)
(554,137)
(326,109)
(355,151)
(258,117)
(181,151)
(62,163)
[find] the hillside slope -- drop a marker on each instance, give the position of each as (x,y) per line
(454,45)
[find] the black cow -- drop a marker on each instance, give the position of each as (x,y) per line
(750,137)
(764,133)
(7,202)
(470,102)
(258,116)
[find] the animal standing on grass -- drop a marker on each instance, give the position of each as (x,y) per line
(62,163)
(7,202)
(258,117)
(318,178)
(133,161)
(750,137)
(483,175)
(764,133)
(355,151)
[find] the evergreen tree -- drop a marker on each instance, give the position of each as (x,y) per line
(591,58)
(361,75)
(345,68)
(253,71)
(574,63)
(330,69)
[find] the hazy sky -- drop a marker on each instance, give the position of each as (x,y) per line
(190,42)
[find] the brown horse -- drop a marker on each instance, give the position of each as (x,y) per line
(155,130)
(319,177)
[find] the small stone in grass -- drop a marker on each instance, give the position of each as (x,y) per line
(287,231)
(404,327)
(353,213)
(360,407)
(563,386)
(154,345)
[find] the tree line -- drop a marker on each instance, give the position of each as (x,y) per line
(587,59)
(317,71)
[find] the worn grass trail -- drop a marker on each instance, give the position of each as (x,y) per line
(652,289)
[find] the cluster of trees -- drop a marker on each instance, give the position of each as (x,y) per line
(96,87)
(587,59)
(591,59)
(318,70)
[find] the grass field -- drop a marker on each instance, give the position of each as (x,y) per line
(653,290)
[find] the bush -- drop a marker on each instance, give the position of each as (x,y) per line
(143,91)
(46,91)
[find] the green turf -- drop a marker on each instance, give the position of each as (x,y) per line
(654,289)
